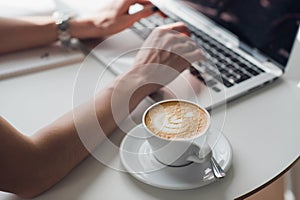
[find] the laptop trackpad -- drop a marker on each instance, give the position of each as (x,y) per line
(118,52)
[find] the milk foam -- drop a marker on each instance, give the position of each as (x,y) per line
(176,120)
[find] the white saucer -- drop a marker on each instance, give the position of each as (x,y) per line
(137,158)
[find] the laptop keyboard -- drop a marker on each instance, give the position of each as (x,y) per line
(224,66)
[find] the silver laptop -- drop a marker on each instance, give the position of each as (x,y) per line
(249,43)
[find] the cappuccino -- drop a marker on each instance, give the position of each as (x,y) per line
(176,120)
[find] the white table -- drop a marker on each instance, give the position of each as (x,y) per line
(263,129)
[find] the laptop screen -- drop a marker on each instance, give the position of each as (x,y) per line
(267,25)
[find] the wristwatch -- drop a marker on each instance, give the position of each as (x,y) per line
(62,23)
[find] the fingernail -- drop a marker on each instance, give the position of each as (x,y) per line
(155,9)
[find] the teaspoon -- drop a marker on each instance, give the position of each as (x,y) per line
(217,169)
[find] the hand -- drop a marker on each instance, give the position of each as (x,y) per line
(110,20)
(166,53)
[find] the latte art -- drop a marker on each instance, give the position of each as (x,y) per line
(174,119)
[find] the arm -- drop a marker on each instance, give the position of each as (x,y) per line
(27,32)
(30,165)
(19,34)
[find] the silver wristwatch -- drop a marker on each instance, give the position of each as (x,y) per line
(62,22)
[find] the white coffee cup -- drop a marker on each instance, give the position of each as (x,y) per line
(179,151)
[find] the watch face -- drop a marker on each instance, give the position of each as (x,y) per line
(61,17)
(64,25)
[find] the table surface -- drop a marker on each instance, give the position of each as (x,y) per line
(262,127)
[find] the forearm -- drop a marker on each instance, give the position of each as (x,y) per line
(17,34)
(59,147)
(28,32)
(95,120)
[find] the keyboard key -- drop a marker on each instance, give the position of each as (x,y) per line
(257,69)
(216,89)
(224,81)
(235,60)
(211,83)
(138,25)
(194,71)
(227,54)
(211,72)
(147,23)
(227,83)
(242,78)
(224,72)
(219,65)
(169,20)
(248,69)
(222,60)
(231,67)
(238,71)
(253,72)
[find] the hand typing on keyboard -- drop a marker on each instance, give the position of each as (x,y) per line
(111,19)
(166,52)
(225,66)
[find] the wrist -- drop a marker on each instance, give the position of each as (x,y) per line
(142,79)
(132,87)
(84,29)
(76,27)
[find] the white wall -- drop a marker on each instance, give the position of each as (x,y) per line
(293,67)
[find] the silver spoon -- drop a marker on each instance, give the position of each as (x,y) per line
(205,155)
(217,169)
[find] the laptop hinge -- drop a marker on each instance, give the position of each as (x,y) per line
(259,56)
(253,52)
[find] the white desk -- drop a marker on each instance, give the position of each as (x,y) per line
(263,129)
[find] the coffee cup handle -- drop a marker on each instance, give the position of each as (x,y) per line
(202,156)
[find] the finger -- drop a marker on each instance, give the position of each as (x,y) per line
(163,15)
(146,3)
(128,3)
(193,53)
(124,5)
(194,56)
(178,26)
(155,9)
(146,12)
(138,1)
(182,48)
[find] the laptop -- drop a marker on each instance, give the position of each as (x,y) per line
(249,43)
